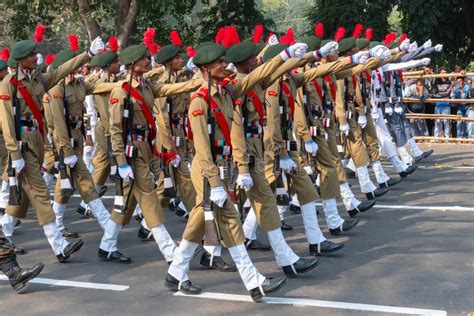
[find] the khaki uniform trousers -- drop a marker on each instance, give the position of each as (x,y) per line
(335,156)
(34,188)
(141,190)
(101,159)
(369,136)
(299,181)
(354,144)
(227,217)
(80,175)
(328,177)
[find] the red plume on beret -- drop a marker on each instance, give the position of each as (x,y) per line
(288,38)
(49,59)
(389,38)
(357,30)
(403,37)
(175,38)
(191,51)
(154,48)
(113,44)
(73,42)
(39,33)
(340,33)
(220,35)
(149,36)
(258,33)
(369,34)
(5,54)
(319,30)
(231,36)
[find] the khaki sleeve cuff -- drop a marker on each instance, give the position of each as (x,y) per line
(16,155)
(122,160)
(215,181)
(68,151)
(244,168)
(283,153)
(307,138)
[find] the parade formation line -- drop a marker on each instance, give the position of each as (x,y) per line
(318,303)
(86,285)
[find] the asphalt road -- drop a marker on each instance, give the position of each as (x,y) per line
(417,254)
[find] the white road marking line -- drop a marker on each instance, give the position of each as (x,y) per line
(430,208)
(319,303)
(445,167)
(86,285)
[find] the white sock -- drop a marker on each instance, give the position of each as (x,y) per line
(311,225)
(55,239)
(284,255)
(182,256)
(333,219)
(164,241)
(366,185)
(380,174)
(247,270)
(350,201)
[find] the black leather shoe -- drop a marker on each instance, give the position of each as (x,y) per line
(186,286)
(418,159)
(364,206)
(324,248)
(376,193)
(85,212)
(101,189)
(138,217)
(390,183)
(411,168)
(256,245)
(295,209)
(18,223)
(19,250)
(217,263)
(145,234)
(68,234)
(346,226)
(115,256)
(301,266)
(22,276)
(350,174)
(173,205)
(268,286)
(69,250)
(285,226)
(428,153)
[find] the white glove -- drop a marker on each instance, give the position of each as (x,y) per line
(438,48)
(218,196)
(413,47)
(378,51)
(427,44)
(328,49)
(126,172)
(344,129)
(311,147)
(40,59)
(153,62)
(360,57)
(425,61)
(70,161)
(295,50)
(175,162)
(287,164)
(405,45)
(245,181)
(18,165)
(386,54)
(96,47)
(231,67)
(375,114)
(388,110)
(190,64)
(398,109)
(362,121)
(273,40)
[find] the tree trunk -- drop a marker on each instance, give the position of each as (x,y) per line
(93,28)
(127,11)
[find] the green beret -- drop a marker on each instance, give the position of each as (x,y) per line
(95,61)
(167,53)
(132,53)
(259,47)
(12,63)
(394,44)
(22,49)
(207,54)
(241,52)
(325,41)
(3,64)
(62,57)
(312,41)
(106,59)
(273,50)
(373,44)
(204,44)
(346,43)
(362,43)
(185,58)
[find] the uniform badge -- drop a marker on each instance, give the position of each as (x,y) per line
(5,97)
(198,112)
(57,95)
(113,101)
(272,93)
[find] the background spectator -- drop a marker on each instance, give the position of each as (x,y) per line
(461,90)
(442,90)
(417,90)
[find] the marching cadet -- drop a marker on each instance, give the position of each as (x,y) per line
(22,125)
(210,168)
(350,113)
(67,109)
(264,207)
(17,276)
(133,133)
(109,66)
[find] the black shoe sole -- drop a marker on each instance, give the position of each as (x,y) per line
(21,286)
(258,299)
(174,288)
(76,248)
(114,260)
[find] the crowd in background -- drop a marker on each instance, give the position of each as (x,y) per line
(442,88)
